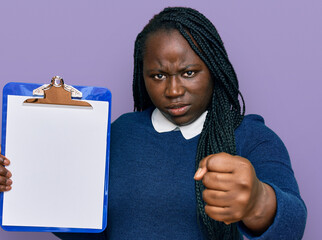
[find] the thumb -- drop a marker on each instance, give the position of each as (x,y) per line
(202,170)
(200,173)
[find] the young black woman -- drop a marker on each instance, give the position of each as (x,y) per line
(187,164)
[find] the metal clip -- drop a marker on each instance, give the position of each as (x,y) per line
(56,82)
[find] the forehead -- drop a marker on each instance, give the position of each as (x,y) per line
(169,44)
(163,32)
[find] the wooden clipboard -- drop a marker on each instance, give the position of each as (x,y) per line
(59,152)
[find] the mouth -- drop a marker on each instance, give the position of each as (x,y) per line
(178,109)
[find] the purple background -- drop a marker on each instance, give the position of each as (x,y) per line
(275,47)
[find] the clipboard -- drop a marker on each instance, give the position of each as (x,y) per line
(58,145)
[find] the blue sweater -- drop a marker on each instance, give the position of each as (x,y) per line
(152,190)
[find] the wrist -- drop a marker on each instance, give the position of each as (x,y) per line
(263,212)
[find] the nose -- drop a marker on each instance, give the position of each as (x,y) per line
(174,87)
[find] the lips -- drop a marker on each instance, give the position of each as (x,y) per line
(178,109)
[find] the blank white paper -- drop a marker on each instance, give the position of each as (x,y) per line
(58,159)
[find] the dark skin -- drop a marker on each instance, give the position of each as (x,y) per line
(178,82)
(234,193)
(180,86)
(5,174)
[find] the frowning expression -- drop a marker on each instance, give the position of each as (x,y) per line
(176,79)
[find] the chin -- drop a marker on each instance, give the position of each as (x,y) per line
(182,122)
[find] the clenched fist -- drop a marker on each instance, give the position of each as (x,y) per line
(233,192)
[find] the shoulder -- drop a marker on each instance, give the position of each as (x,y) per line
(251,121)
(134,117)
(253,126)
(132,121)
(253,132)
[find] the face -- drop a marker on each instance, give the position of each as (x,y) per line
(176,79)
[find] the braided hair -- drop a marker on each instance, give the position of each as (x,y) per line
(224,111)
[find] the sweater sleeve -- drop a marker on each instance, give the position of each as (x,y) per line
(265,150)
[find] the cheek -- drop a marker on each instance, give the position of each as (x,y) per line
(148,86)
(205,91)
(209,92)
(204,100)
(153,90)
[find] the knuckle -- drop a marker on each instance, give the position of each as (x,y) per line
(223,154)
(216,177)
(243,199)
(205,195)
(245,183)
(3,171)
(211,163)
(238,215)
(204,179)
(2,188)
(214,160)
(247,167)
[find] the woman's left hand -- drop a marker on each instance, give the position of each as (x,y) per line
(233,192)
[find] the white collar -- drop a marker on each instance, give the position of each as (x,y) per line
(161,124)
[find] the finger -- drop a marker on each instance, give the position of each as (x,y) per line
(202,168)
(218,181)
(4,172)
(200,173)
(5,181)
(4,161)
(222,162)
(9,174)
(217,198)
(222,214)
(4,188)
(218,213)
(203,162)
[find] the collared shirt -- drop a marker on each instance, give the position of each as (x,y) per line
(162,124)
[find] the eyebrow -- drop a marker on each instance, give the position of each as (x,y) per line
(181,70)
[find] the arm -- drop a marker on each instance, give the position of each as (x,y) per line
(272,164)
(268,156)
(264,210)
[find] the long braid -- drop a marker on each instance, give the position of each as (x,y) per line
(224,112)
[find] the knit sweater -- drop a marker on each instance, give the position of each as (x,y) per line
(152,190)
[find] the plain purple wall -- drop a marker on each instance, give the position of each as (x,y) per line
(275,47)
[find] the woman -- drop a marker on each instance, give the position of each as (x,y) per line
(189,124)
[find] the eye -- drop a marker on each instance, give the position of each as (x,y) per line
(189,74)
(159,76)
